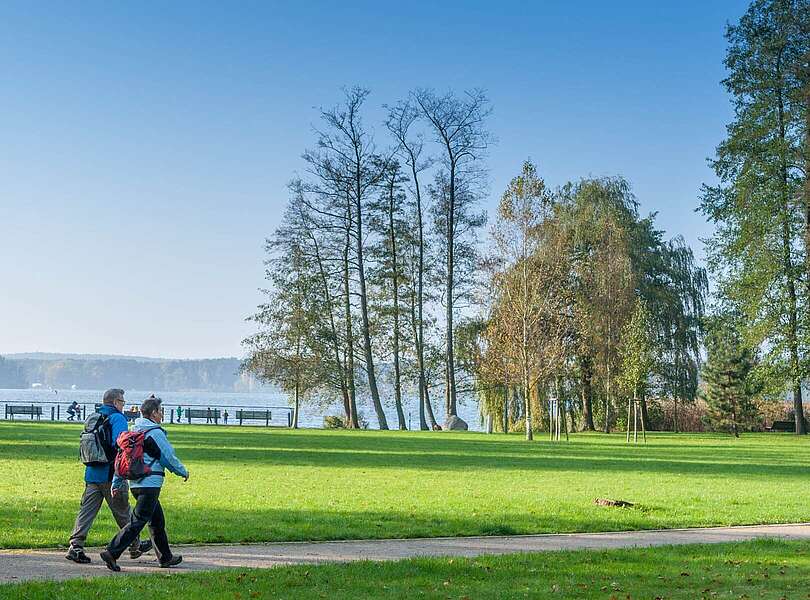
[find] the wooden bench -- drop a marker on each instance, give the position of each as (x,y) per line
(23,409)
(789,426)
(255,415)
(202,413)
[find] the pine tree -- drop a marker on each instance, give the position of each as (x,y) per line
(728,392)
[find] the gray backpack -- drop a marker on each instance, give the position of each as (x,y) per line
(95,445)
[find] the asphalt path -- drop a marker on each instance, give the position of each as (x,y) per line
(28,565)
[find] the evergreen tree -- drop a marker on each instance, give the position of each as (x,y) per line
(729,391)
(758,251)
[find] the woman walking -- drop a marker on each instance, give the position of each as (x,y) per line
(158,455)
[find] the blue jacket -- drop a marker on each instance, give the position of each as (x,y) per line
(168,459)
(118,422)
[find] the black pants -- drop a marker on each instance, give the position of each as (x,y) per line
(147,510)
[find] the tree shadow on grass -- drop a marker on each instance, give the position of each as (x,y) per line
(190,523)
(432,452)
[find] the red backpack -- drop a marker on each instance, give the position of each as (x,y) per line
(129,462)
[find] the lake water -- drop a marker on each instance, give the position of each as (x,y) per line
(311,416)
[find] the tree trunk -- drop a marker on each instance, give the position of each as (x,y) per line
(395,286)
(645,422)
(429,409)
(528,409)
(353,422)
(506,408)
(587,393)
(297,401)
(450,389)
(607,400)
(790,275)
(344,391)
(420,302)
(361,276)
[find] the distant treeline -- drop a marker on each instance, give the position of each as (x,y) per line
(12,375)
(218,374)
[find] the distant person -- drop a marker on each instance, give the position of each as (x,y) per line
(179,413)
(225,416)
(158,455)
(208,416)
(72,410)
(108,423)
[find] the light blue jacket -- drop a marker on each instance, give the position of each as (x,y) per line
(168,459)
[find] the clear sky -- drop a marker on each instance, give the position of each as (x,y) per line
(145,147)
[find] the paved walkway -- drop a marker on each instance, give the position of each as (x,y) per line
(24,565)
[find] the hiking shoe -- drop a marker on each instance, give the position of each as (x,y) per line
(109,560)
(172,562)
(77,555)
(143,548)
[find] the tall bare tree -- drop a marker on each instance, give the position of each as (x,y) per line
(458,127)
(400,122)
(347,149)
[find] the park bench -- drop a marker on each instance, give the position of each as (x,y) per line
(202,413)
(788,426)
(24,409)
(256,415)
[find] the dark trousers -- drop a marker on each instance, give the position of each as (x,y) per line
(147,510)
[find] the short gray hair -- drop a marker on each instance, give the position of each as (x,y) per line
(111,395)
(150,406)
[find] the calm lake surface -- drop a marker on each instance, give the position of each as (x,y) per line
(311,416)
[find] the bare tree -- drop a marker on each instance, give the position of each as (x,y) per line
(400,122)
(457,124)
(346,156)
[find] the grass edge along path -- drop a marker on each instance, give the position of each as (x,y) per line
(756,569)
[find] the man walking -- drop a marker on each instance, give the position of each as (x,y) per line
(97,487)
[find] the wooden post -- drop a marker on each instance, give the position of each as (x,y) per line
(565,420)
(628,420)
(643,428)
(53,410)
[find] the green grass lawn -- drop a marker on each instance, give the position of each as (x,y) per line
(256,484)
(762,569)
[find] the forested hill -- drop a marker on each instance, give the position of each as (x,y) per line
(217,374)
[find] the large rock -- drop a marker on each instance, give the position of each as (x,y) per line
(455,424)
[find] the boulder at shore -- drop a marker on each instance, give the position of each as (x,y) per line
(455,424)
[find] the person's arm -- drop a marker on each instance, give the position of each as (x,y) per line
(118,425)
(167,456)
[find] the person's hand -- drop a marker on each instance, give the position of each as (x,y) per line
(117,492)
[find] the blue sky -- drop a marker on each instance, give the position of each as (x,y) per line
(145,147)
